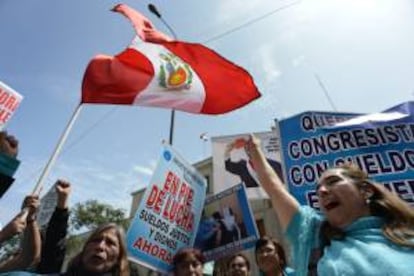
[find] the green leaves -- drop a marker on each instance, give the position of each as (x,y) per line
(88,215)
(92,213)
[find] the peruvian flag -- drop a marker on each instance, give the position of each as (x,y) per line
(158,71)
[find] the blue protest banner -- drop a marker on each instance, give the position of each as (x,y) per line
(169,212)
(380,144)
(227,225)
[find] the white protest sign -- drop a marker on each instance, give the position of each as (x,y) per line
(47,206)
(9,101)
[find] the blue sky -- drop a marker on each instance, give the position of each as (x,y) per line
(362,50)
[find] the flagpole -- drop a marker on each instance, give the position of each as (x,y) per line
(57,150)
(172,126)
(153,9)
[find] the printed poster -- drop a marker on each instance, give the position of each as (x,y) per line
(381,144)
(227,224)
(169,212)
(231,164)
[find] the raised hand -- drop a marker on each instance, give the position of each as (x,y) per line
(252,147)
(63,189)
(31,204)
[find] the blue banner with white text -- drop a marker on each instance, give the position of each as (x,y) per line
(381,144)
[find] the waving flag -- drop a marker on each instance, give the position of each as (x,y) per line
(158,71)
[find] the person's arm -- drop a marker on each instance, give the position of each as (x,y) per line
(284,204)
(31,243)
(15,226)
(54,249)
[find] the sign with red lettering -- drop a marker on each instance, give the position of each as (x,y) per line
(169,212)
(9,101)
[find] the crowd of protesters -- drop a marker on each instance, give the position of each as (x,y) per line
(363,229)
(103,253)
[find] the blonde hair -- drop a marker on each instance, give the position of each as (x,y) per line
(398,215)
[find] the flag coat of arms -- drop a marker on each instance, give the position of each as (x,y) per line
(158,71)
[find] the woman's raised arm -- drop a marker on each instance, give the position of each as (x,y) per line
(284,204)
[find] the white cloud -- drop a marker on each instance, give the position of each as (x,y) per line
(153,164)
(109,185)
(265,63)
(231,9)
(298,61)
(148,171)
(59,88)
(264,67)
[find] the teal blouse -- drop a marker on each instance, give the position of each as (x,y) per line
(363,251)
(8,165)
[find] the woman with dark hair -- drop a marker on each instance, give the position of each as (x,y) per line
(364,228)
(104,253)
(271,257)
(188,262)
(239,265)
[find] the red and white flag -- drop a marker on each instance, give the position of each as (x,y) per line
(158,71)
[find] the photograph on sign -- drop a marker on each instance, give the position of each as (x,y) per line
(231,164)
(227,224)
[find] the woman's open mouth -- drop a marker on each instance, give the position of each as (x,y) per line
(98,258)
(331,205)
